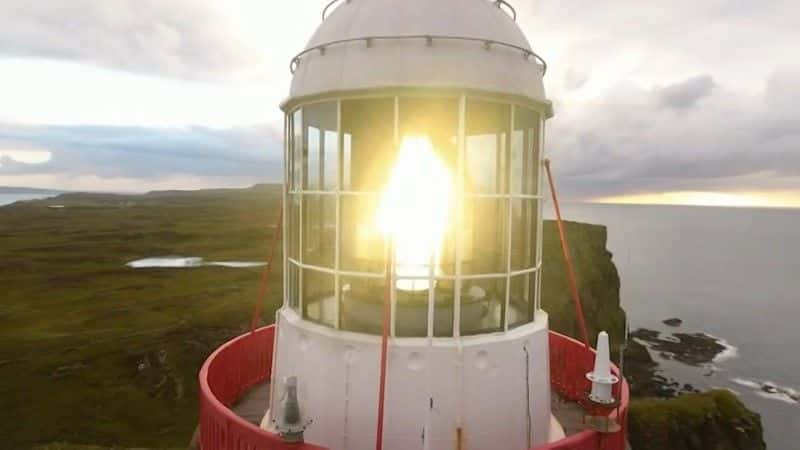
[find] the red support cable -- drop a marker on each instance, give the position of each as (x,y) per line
(384,347)
(262,288)
(573,285)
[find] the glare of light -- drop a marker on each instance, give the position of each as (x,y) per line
(414,210)
(27,156)
(709,198)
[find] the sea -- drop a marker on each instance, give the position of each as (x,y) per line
(7,199)
(732,273)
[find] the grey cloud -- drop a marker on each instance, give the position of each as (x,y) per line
(626,142)
(250,155)
(685,94)
(721,130)
(179,38)
(574,79)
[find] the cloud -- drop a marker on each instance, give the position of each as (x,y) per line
(627,142)
(178,38)
(24,156)
(239,156)
(573,79)
(685,94)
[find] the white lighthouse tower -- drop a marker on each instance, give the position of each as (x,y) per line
(414,135)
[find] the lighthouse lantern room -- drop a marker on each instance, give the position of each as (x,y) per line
(412,258)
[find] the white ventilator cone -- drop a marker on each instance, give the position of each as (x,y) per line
(601,377)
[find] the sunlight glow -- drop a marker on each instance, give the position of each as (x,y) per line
(780,199)
(26,156)
(414,210)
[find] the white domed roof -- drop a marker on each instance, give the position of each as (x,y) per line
(372,44)
(468,18)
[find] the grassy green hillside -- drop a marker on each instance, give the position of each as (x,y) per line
(94,352)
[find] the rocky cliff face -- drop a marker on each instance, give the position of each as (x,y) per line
(598,282)
(659,418)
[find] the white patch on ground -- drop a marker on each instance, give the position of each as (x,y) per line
(171,262)
(180,262)
(236,264)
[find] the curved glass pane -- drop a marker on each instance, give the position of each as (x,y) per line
(483,305)
(486,153)
(293,290)
(368,136)
(485,236)
(521,298)
(362,245)
(362,303)
(319,300)
(524,212)
(525,152)
(296,148)
(293,226)
(319,230)
(321,147)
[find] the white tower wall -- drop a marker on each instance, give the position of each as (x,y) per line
(479,383)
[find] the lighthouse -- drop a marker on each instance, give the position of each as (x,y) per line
(414,137)
(412,249)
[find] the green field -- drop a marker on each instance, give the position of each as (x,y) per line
(94,352)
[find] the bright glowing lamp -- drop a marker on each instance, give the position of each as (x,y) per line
(414,212)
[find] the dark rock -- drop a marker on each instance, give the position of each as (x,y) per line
(673,322)
(695,349)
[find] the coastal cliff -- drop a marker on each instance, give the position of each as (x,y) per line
(597,277)
(659,418)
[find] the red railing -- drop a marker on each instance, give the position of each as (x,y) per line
(246,361)
(231,370)
(569,363)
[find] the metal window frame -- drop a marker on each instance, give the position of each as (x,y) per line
(458,277)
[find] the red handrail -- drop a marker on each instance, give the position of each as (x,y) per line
(246,361)
(265,274)
(569,363)
(230,371)
(573,284)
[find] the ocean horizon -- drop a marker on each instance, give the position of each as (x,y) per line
(731,273)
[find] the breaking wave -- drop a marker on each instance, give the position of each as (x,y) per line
(770,390)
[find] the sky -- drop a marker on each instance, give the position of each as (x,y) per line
(655,102)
